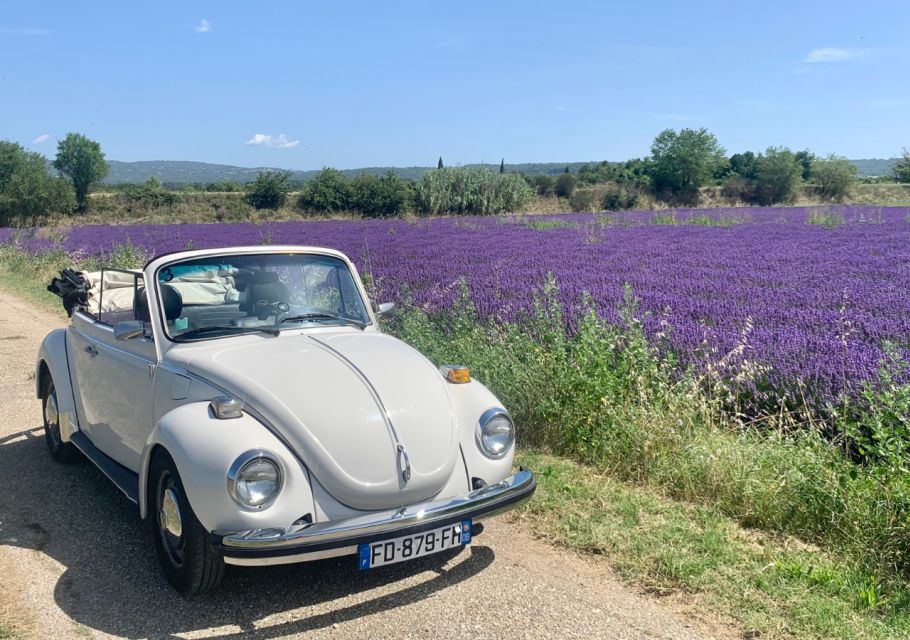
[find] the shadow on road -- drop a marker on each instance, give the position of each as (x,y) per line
(112,581)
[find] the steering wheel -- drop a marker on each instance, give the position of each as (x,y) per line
(263,308)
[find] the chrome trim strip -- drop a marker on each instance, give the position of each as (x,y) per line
(485,418)
(242,460)
(400,448)
(480,503)
(300,557)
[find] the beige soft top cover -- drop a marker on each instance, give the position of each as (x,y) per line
(204,288)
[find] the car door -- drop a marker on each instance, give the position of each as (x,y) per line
(112,378)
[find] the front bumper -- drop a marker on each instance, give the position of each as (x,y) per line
(300,543)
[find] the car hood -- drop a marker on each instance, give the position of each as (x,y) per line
(345,401)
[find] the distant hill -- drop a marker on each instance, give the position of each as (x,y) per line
(186,172)
(869,167)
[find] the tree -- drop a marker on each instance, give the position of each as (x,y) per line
(439,164)
(778,175)
(82,161)
(805,158)
(684,162)
(901,170)
(269,190)
(834,176)
(330,191)
(27,188)
(743,164)
(565,185)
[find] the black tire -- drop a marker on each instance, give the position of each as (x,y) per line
(60,451)
(190,563)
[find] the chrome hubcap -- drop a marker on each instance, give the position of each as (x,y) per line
(52,418)
(169,516)
(50,410)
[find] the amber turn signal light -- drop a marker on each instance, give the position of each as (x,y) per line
(455,373)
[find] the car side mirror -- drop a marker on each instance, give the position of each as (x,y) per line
(385,309)
(128,329)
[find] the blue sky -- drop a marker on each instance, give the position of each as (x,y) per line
(349,84)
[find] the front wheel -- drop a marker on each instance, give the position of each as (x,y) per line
(190,563)
(60,451)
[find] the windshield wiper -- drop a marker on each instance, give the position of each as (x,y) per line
(323,316)
(226,328)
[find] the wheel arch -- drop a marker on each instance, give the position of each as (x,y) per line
(203,448)
(53,364)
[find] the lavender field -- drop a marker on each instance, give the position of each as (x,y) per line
(813,294)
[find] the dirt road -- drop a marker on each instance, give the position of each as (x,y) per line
(76,561)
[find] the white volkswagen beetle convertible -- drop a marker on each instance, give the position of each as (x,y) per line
(247,401)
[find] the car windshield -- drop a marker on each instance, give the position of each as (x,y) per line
(224,295)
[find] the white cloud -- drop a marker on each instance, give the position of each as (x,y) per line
(42,138)
(23,31)
(832,54)
(204,26)
(280,141)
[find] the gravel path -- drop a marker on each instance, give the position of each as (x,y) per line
(76,561)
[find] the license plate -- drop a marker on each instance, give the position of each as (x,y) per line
(377,554)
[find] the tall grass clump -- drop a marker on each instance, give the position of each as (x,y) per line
(608,396)
(470,191)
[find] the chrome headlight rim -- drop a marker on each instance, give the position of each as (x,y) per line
(485,419)
(244,460)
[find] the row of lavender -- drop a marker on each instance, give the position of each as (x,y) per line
(815,293)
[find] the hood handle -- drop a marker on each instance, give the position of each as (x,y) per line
(404,463)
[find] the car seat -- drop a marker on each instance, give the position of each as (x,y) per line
(171,302)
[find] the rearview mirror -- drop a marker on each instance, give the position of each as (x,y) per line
(128,329)
(385,309)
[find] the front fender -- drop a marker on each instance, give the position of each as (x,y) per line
(203,448)
(469,401)
(53,362)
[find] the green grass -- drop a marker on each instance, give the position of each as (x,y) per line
(7,632)
(773,586)
(28,276)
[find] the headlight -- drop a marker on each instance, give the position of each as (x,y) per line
(495,433)
(254,479)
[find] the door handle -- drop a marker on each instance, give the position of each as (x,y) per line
(92,351)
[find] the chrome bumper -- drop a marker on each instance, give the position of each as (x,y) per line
(300,543)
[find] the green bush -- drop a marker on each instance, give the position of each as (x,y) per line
(543,185)
(778,175)
(269,190)
(383,197)
(617,197)
(224,186)
(470,191)
(150,195)
(564,185)
(328,192)
(588,199)
(27,188)
(834,177)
